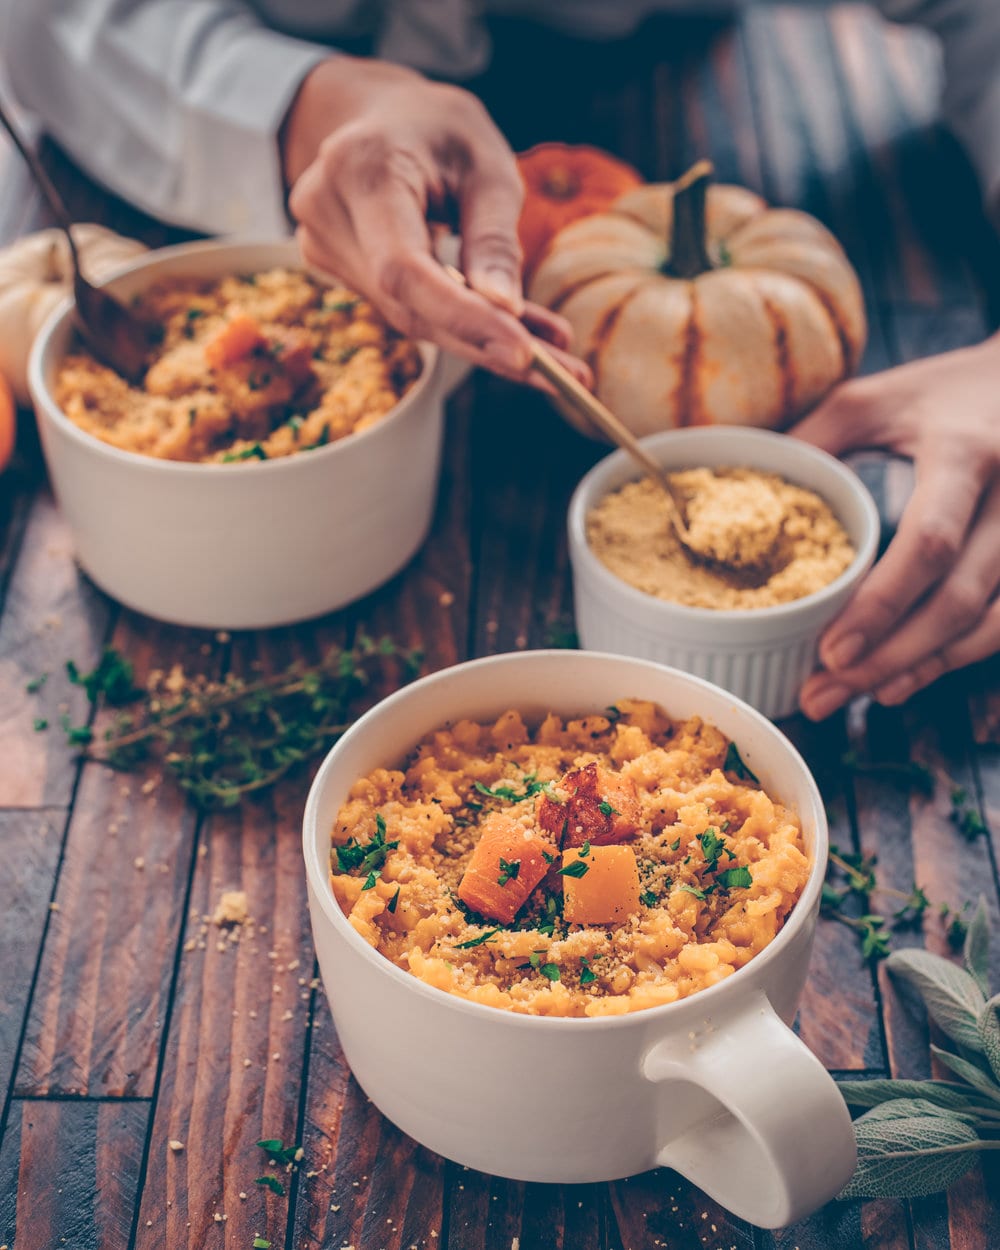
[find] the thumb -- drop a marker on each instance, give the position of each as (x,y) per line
(491,253)
(848,419)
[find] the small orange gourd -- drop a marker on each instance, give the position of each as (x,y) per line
(563,182)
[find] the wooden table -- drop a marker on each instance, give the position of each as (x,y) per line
(123,1027)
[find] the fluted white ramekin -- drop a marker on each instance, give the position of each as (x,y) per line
(762,655)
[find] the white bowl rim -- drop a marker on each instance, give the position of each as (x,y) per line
(318,877)
(612,584)
(43,397)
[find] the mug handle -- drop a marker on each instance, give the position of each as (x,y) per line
(781,1144)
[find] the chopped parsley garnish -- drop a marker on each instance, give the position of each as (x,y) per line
(587,975)
(40,724)
(551,971)
(324,438)
(509,794)
(368,857)
(272,1183)
(294,423)
(342,305)
(36,683)
(649,898)
(476,941)
(508,870)
(693,889)
(279,1152)
(548,925)
(112,679)
(734,878)
(675,844)
(393,902)
(607,810)
(549,859)
(76,735)
(734,764)
(261,1243)
(248,453)
(584,850)
(613,713)
(346,354)
(576,869)
(712,846)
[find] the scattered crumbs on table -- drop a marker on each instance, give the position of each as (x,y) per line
(139,863)
(231,910)
(175,1145)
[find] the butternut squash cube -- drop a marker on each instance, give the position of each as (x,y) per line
(608,892)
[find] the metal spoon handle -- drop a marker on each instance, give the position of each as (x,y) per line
(50,195)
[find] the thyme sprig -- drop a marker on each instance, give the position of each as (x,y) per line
(222,741)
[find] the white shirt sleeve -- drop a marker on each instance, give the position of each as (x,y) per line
(173,104)
(969,31)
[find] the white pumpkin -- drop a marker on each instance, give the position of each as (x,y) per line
(35,274)
(697,305)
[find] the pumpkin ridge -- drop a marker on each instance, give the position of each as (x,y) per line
(604,330)
(847,362)
(689,406)
(786,366)
(559,300)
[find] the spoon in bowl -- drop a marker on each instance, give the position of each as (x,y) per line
(116,336)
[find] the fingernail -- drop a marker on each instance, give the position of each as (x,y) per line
(499,286)
(825,701)
(846,651)
(896,691)
(511,357)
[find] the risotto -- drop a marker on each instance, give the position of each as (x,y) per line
(251,367)
(586,867)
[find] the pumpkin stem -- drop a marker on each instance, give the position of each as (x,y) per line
(688,252)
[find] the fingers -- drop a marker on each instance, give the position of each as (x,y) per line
(547,325)
(926,547)
(928,641)
(489,206)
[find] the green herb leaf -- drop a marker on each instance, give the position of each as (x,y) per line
(989,1034)
(952,997)
(971,1073)
(393,902)
(698,893)
(76,735)
(675,844)
(40,723)
(734,764)
(712,847)
(111,680)
(261,1243)
(576,869)
(550,971)
(36,683)
(735,878)
(279,1152)
(606,809)
(976,951)
(370,881)
(509,794)
(648,898)
(584,850)
(256,451)
(508,870)
(911,1157)
(947,1094)
(587,975)
(476,941)
(272,1183)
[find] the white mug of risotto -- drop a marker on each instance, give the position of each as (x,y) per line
(547,1046)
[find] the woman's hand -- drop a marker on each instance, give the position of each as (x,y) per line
(931,603)
(374,153)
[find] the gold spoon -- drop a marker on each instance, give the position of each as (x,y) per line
(116,336)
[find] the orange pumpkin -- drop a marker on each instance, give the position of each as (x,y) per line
(697,305)
(563,183)
(8,423)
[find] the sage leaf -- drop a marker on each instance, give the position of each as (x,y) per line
(941,1093)
(975,1076)
(913,1108)
(910,1157)
(976,952)
(951,995)
(989,1032)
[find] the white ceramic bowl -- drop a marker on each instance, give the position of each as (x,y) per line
(250,545)
(716,1086)
(762,655)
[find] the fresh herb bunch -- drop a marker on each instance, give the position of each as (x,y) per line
(222,741)
(919,1137)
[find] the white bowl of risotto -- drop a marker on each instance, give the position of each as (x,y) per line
(756,634)
(580,1034)
(279,460)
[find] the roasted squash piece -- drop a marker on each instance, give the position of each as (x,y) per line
(600,807)
(234,341)
(508,862)
(607,892)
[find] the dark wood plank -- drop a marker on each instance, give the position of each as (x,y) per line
(31,844)
(662,1209)
(69,1174)
(51,614)
(98,1010)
